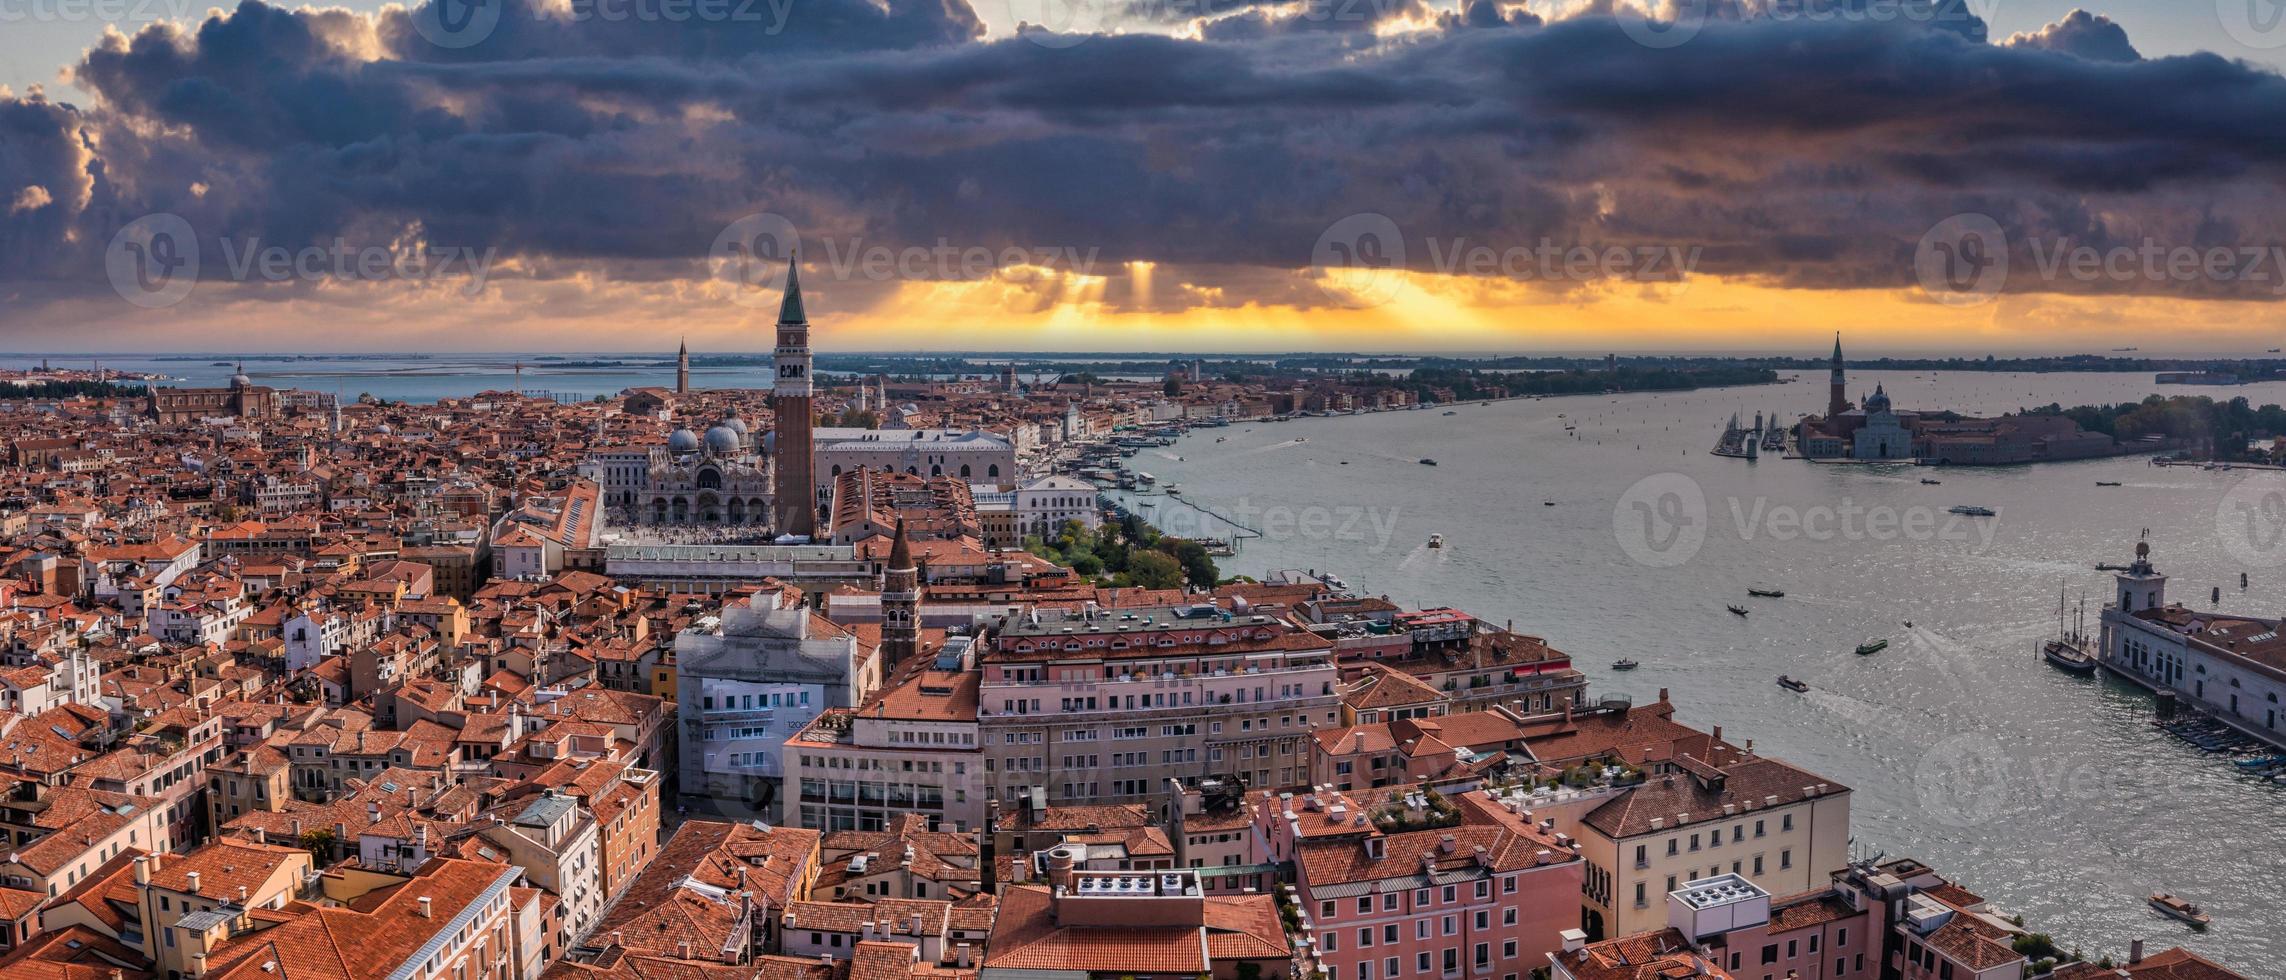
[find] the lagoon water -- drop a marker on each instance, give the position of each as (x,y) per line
(2048,794)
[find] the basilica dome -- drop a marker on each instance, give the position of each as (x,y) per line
(683,441)
(722,440)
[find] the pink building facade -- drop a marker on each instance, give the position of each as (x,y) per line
(1487,898)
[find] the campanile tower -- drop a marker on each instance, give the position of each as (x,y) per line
(794,475)
(1837,398)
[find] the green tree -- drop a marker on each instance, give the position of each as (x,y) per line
(1154,570)
(320,843)
(1172,387)
(1198,566)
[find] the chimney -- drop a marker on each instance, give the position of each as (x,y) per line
(960,956)
(1573,939)
(2135,952)
(1717,738)
(143,868)
(1662,695)
(193,887)
(683,950)
(1060,862)
(427,909)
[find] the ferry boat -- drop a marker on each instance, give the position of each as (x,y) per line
(1968,511)
(1436,541)
(1792,685)
(1767,593)
(1872,646)
(1624,665)
(2180,910)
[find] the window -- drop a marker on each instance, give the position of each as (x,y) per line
(1365,905)
(1325,910)
(1364,937)
(1770,953)
(1785,859)
(1327,943)
(1389,936)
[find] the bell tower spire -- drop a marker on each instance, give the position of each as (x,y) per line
(793,474)
(1837,398)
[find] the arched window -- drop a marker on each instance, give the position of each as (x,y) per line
(993,470)
(964,470)
(935,470)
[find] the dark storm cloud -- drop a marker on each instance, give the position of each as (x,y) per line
(1796,145)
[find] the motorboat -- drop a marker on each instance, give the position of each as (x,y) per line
(2175,908)
(1426,461)
(1767,593)
(1738,610)
(1792,685)
(1624,665)
(1968,511)
(1436,541)
(1872,646)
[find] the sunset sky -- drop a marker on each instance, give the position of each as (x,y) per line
(1146,175)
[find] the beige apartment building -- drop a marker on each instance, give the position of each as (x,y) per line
(1784,829)
(1107,706)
